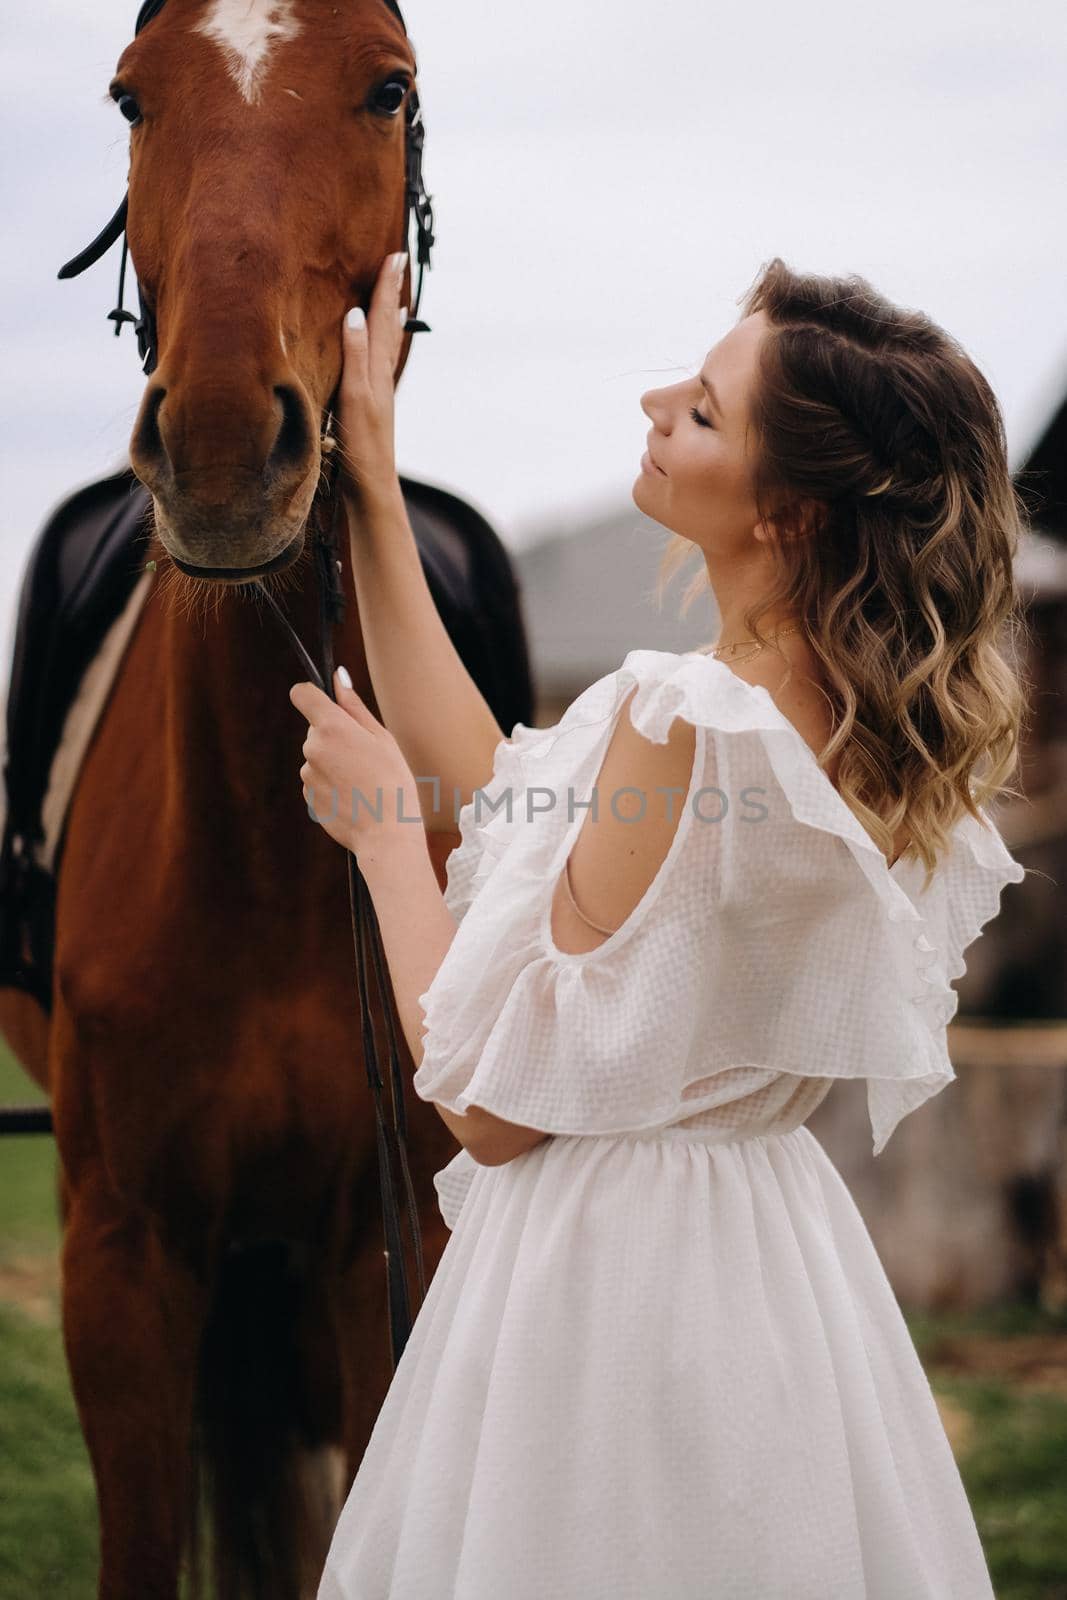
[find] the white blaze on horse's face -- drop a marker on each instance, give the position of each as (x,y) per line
(246,31)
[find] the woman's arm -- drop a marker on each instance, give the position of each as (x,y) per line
(417,930)
(427,698)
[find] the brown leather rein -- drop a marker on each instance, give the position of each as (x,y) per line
(365,930)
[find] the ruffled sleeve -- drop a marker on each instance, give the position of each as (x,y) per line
(489,819)
(774,937)
(483,827)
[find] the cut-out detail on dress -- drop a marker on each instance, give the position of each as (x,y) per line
(655,887)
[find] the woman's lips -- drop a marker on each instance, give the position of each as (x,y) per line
(649,466)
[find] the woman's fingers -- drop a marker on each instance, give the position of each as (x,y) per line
(371,352)
(383,320)
(354,369)
(372,341)
(350,701)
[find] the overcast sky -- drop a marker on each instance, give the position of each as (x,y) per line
(607,180)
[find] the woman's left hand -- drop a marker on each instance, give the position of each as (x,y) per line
(348,750)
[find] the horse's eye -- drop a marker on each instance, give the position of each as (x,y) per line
(129,108)
(391,95)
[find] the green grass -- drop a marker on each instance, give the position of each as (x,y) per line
(1015,1476)
(28,1216)
(1014,1471)
(1015,1317)
(48,1530)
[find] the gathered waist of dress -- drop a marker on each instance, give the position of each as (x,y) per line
(677,1133)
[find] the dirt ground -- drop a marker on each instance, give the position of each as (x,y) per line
(32,1284)
(1029,1362)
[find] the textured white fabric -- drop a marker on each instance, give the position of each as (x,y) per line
(660,1359)
(775,940)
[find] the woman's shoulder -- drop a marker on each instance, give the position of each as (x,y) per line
(770,728)
(781,721)
(797,690)
(753,697)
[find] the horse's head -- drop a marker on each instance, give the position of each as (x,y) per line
(266,186)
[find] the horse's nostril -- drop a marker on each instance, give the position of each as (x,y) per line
(292,443)
(147,442)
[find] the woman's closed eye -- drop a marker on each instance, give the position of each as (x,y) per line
(699,418)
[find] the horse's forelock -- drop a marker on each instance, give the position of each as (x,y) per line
(248,32)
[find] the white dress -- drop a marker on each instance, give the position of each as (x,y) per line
(660,1358)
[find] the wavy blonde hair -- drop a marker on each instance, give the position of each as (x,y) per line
(881,472)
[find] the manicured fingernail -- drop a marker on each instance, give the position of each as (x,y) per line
(400,261)
(403,315)
(343,678)
(355,318)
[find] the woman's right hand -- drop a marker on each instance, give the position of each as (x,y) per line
(366,447)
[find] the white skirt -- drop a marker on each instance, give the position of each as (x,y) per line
(659,1368)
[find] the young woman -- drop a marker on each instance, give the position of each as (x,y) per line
(660,1358)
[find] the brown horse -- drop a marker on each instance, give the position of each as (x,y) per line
(224,1304)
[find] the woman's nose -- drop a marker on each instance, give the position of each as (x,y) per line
(649,402)
(655,410)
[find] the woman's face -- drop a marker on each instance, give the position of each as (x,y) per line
(698,481)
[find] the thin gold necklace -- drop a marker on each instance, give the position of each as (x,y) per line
(757,646)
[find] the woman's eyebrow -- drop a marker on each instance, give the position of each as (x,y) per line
(709,389)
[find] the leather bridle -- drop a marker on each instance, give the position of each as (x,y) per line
(365,930)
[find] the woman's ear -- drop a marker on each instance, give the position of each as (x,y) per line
(800,519)
(812,516)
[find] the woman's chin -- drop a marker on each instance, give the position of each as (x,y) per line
(641,501)
(638,485)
